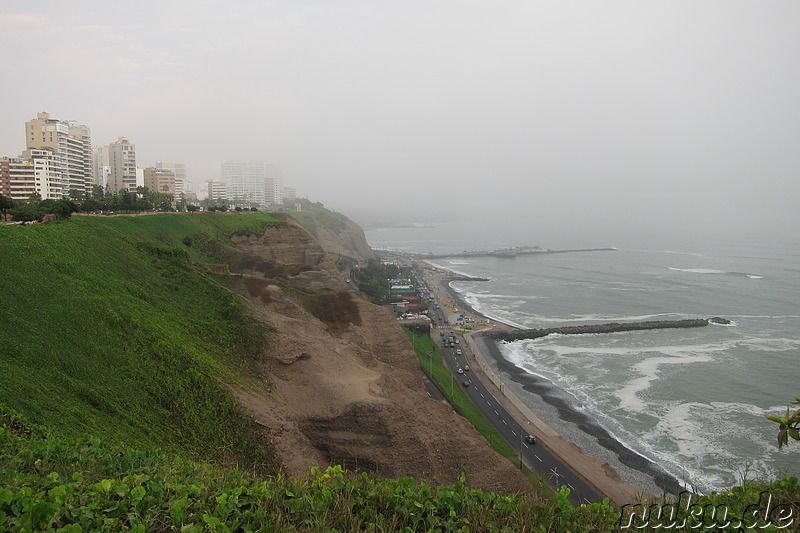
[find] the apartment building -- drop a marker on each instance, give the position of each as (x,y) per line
(100,169)
(5,176)
(33,172)
(217,191)
(275,189)
(17,178)
(183,186)
(253,183)
(159,180)
(71,146)
(247,183)
(121,163)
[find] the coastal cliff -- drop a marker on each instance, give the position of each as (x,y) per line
(344,383)
(335,233)
(286,251)
(223,336)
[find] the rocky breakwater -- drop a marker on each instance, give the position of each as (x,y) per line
(612,327)
(458,277)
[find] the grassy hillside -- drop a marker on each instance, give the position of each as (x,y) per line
(319,216)
(108,330)
(338,235)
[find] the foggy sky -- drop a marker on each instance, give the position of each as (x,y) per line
(565,116)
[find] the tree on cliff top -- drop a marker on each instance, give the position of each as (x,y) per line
(6,203)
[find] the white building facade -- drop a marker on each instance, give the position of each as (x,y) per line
(35,172)
(217,191)
(253,184)
(120,158)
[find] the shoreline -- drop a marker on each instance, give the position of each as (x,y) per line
(648,474)
(623,471)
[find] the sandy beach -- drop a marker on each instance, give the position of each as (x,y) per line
(613,469)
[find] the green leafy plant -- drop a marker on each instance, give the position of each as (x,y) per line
(788,424)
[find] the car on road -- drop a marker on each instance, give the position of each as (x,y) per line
(530,439)
(458,352)
(466,367)
(460,370)
(466,383)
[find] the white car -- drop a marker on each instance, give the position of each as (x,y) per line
(460,370)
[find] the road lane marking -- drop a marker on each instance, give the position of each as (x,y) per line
(540,459)
(504,422)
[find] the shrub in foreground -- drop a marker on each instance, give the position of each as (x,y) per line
(49,484)
(54,485)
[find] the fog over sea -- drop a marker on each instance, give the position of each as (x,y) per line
(691,400)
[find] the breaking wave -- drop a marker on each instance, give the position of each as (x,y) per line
(715,271)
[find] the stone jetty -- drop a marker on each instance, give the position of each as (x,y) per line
(612,327)
(508,253)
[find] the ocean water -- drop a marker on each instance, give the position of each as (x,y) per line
(691,400)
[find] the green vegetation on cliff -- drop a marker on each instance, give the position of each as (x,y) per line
(319,216)
(107,330)
(86,485)
(342,238)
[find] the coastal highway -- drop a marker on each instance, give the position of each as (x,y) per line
(535,456)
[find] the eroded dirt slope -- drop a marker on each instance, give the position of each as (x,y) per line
(288,251)
(345,386)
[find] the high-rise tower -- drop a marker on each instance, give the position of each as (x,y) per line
(71,146)
(122,165)
(253,183)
